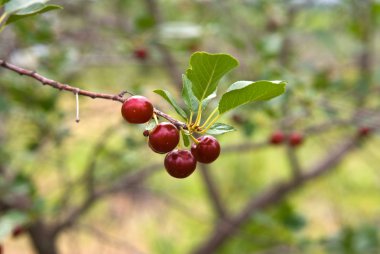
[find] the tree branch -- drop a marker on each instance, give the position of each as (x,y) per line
(122,184)
(214,195)
(57,85)
(271,196)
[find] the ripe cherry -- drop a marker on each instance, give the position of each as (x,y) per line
(180,163)
(137,109)
(164,138)
(277,137)
(364,131)
(140,53)
(295,139)
(17,231)
(207,150)
(146,133)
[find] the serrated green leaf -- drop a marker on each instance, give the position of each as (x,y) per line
(206,70)
(31,11)
(220,128)
(185,138)
(169,98)
(243,92)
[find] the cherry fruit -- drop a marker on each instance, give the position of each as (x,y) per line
(180,163)
(17,231)
(164,138)
(277,138)
(207,150)
(364,131)
(140,53)
(137,109)
(146,133)
(295,139)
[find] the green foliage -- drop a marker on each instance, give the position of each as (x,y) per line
(243,92)
(31,11)
(206,70)
(169,98)
(15,10)
(220,128)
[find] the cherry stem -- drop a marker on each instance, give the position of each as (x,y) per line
(194,139)
(210,124)
(199,115)
(209,118)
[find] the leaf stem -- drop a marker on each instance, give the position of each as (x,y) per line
(210,124)
(209,118)
(199,114)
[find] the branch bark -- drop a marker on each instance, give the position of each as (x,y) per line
(271,196)
(57,85)
(213,193)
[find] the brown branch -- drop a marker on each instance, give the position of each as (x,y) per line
(57,85)
(213,193)
(271,196)
(124,183)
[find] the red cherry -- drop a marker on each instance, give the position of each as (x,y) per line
(164,138)
(364,131)
(146,133)
(140,53)
(180,163)
(1,249)
(207,150)
(295,139)
(137,109)
(17,231)
(277,137)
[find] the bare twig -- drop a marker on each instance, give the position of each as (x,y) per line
(272,195)
(57,85)
(123,183)
(213,193)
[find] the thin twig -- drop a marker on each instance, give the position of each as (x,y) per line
(65,87)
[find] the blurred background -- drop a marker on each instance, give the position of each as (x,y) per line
(51,166)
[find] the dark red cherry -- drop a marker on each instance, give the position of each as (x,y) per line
(277,137)
(17,231)
(180,163)
(140,53)
(164,137)
(146,133)
(207,150)
(295,139)
(137,109)
(364,131)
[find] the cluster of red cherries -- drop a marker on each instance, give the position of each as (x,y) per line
(164,138)
(294,139)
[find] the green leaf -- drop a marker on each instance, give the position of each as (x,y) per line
(169,98)
(14,6)
(2,2)
(32,11)
(206,70)
(185,138)
(220,128)
(243,92)
(187,94)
